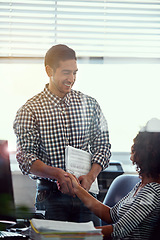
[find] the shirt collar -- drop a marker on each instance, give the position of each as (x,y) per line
(57,100)
(66,99)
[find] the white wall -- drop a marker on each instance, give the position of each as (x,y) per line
(128,94)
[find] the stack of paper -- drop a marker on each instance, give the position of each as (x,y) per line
(58,230)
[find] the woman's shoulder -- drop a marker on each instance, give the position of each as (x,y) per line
(153,188)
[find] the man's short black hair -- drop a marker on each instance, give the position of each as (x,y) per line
(58,53)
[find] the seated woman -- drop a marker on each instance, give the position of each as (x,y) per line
(134,216)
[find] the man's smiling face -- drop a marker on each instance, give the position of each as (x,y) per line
(63,77)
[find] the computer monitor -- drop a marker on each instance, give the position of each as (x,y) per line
(7,207)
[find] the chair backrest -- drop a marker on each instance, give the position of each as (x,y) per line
(120,186)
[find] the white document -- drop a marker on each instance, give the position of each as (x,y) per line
(43,225)
(78,162)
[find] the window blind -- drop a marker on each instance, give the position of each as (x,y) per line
(92,28)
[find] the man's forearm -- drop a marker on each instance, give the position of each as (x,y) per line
(94,172)
(40,169)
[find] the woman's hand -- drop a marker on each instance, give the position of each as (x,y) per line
(74,180)
(106,231)
(64,184)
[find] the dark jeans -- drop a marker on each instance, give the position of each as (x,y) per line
(59,206)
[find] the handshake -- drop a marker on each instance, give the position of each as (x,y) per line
(76,183)
(72,181)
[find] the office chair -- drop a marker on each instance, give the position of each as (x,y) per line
(120,186)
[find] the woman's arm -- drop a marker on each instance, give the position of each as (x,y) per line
(98,208)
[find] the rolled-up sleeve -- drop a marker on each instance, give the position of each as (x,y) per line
(28,140)
(99,135)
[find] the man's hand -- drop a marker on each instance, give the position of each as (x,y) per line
(64,184)
(85,182)
(41,169)
(75,181)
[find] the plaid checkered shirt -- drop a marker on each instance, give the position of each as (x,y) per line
(46,124)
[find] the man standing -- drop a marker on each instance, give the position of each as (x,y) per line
(48,122)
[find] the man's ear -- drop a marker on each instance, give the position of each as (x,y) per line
(49,71)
